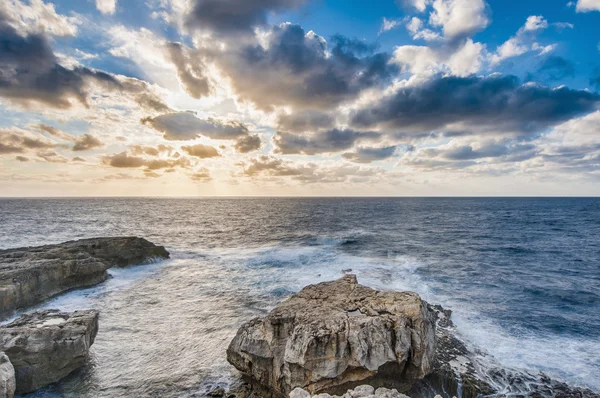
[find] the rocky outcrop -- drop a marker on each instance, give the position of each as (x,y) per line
(46,346)
(7,377)
(459,371)
(363,391)
(338,335)
(33,274)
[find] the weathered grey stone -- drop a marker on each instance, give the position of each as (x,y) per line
(46,346)
(337,335)
(7,377)
(32,274)
(299,393)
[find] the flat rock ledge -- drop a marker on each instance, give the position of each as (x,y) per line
(338,335)
(31,275)
(46,346)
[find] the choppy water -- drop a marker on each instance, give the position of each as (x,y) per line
(522,276)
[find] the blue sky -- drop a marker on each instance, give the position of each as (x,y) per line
(299,97)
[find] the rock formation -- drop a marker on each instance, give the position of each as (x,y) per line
(363,391)
(46,346)
(7,377)
(337,335)
(33,274)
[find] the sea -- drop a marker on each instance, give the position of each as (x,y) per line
(521,275)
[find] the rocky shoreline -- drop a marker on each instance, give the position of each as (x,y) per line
(43,347)
(333,339)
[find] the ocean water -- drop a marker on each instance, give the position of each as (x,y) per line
(521,275)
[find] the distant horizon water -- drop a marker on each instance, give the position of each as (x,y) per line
(521,276)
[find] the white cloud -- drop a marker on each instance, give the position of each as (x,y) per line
(459,17)
(588,5)
(106,6)
(423,60)
(420,5)
(388,24)
(415,28)
(523,41)
(535,22)
(38,17)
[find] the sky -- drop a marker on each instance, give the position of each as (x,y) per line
(299,98)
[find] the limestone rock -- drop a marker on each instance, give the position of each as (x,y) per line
(337,335)
(32,274)
(46,346)
(364,391)
(7,377)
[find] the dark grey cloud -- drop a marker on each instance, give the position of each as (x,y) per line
(201,151)
(30,73)
(87,142)
(248,143)
(151,150)
(301,70)
(305,121)
(51,156)
(22,158)
(368,155)
(185,126)
(487,150)
(190,70)
(481,104)
(334,140)
(226,17)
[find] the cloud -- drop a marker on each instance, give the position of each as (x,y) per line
(201,151)
(54,132)
(595,79)
(588,5)
(37,17)
(185,126)
(305,121)
(523,41)
(51,156)
(87,142)
(123,160)
(476,104)
(368,155)
(388,24)
(556,68)
(233,16)
(30,74)
(420,5)
(106,6)
(299,69)
(151,150)
(417,31)
(190,70)
(463,60)
(459,18)
(248,143)
(269,166)
(329,141)
(19,141)
(21,158)
(202,175)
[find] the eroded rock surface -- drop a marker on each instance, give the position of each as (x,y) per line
(364,391)
(338,335)
(46,346)
(7,377)
(30,275)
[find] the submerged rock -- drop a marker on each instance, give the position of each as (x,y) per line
(7,377)
(46,346)
(337,335)
(32,274)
